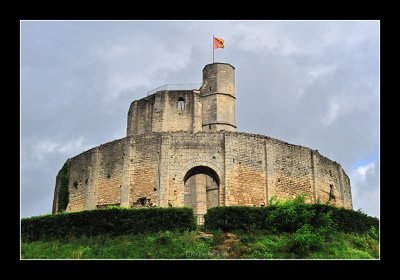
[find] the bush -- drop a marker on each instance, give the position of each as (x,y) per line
(289,216)
(236,218)
(113,221)
(306,240)
(348,220)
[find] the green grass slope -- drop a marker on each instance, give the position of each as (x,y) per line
(190,245)
(284,230)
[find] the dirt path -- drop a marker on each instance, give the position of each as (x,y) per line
(228,247)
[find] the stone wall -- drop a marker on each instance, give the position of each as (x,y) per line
(140,116)
(108,180)
(162,112)
(290,171)
(245,170)
(96,177)
(332,184)
(151,170)
(144,169)
(79,180)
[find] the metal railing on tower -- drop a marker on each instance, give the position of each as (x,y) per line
(191,86)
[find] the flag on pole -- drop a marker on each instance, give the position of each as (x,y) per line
(218,43)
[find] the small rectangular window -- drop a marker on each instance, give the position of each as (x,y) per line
(181,104)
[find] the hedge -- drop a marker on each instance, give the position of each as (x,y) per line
(113,221)
(286,218)
(348,220)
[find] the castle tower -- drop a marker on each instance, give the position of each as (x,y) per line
(218,97)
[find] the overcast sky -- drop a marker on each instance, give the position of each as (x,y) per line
(311,83)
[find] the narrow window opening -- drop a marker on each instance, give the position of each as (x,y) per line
(181,104)
(210,88)
(142,201)
(209,126)
(331,194)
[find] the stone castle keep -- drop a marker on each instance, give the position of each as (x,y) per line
(182,149)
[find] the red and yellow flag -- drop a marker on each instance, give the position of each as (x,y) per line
(218,43)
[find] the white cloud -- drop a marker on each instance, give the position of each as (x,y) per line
(365,188)
(320,70)
(46,147)
(138,62)
(332,113)
(362,170)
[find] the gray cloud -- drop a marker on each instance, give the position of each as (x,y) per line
(309,83)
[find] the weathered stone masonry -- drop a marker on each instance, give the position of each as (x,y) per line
(189,154)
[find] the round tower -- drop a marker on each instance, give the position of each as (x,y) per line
(218,97)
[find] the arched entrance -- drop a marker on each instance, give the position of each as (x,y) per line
(201,190)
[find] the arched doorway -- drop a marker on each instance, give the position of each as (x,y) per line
(201,190)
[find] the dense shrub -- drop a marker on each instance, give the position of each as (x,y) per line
(113,221)
(306,240)
(236,217)
(347,220)
(289,216)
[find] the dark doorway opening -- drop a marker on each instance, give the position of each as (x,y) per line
(201,190)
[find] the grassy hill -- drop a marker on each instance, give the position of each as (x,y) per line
(283,230)
(190,245)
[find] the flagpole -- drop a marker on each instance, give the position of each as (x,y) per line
(213,47)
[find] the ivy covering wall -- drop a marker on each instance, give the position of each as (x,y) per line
(63,192)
